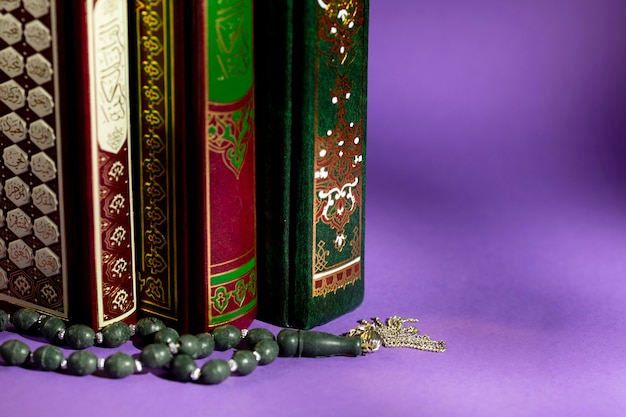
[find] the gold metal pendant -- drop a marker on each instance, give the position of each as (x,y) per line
(393,333)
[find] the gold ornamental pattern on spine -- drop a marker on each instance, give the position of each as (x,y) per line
(339,141)
(110,122)
(157,275)
(229,136)
(32,230)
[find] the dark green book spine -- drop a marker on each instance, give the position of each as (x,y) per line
(311,60)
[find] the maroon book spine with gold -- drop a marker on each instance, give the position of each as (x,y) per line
(66,233)
(222,167)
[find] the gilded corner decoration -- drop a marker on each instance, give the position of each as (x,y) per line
(230,131)
(338,146)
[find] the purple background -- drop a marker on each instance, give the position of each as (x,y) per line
(496,213)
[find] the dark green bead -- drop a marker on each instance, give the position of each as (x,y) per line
(167,335)
(288,342)
(313,344)
(4,320)
(254,336)
(226,337)
(147,327)
(189,345)
(82,363)
(50,328)
(48,358)
(79,336)
(14,352)
(25,320)
(214,371)
(267,350)
(182,366)
(206,343)
(156,355)
(115,334)
(246,362)
(119,365)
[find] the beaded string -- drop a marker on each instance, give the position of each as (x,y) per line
(165,348)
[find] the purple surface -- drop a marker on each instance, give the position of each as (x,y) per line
(496,213)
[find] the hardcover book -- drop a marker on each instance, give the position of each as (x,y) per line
(66,233)
(311,63)
(196,193)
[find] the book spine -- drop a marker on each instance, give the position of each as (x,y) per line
(339,121)
(274,68)
(224,166)
(33,238)
(65,174)
(110,168)
(326,80)
(159,65)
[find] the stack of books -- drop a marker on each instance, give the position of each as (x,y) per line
(199,161)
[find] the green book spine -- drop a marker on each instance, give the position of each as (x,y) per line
(311,86)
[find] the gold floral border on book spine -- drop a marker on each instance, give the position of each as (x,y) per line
(157,279)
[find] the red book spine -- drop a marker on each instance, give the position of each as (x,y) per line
(223,235)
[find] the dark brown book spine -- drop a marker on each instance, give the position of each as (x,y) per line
(160,143)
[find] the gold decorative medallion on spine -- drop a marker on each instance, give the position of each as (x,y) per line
(338,189)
